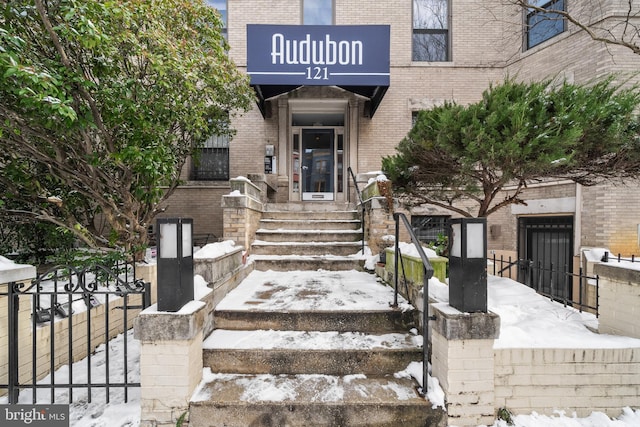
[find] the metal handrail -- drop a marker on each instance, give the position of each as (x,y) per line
(428,274)
(355,185)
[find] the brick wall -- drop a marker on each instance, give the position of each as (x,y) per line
(580,380)
(609,217)
(202,202)
(242,216)
(619,299)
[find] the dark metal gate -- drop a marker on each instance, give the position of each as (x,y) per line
(61,318)
(547,244)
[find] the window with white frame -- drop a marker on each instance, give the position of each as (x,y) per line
(541,25)
(317,12)
(431,30)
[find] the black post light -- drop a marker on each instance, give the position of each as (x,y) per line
(468,264)
(175,263)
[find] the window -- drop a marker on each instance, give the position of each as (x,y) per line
(431,30)
(317,12)
(221,6)
(541,26)
(428,228)
(414,118)
(212,162)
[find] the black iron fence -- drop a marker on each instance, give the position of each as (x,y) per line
(578,290)
(619,258)
(61,317)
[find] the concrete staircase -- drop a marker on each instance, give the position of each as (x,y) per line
(308,237)
(309,347)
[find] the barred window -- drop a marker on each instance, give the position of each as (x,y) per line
(430,30)
(427,228)
(211,163)
(541,26)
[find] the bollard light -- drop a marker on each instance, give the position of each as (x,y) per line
(468,264)
(175,263)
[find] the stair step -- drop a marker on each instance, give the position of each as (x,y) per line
(313,300)
(304,352)
(340,321)
(321,291)
(314,215)
(310,224)
(308,206)
(307,263)
(260,247)
(305,400)
(308,235)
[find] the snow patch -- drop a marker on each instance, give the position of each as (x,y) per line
(215,250)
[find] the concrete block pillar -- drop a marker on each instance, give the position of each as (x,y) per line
(170,361)
(463,361)
(241,218)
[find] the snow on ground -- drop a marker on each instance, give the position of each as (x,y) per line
(97,413)
(297,291)
(526,319)
(301,340)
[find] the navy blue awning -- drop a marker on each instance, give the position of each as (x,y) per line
(373,93)
(282,58)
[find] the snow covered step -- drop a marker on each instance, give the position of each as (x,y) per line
(308,235)
(311,400)
(307,224)
(304,352)
(325,300)
(315,215)
(260,247)
(306,262)
(375,321)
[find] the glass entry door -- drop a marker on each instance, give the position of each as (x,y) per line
(318,164)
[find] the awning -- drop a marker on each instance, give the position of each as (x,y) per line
(282,58)
(373,93)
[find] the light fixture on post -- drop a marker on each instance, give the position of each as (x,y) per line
(175,263)
(468,264)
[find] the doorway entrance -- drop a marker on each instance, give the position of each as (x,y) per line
(318,152)
(321,163)
(547,242)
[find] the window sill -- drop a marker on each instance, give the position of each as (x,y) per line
(206,183)
(433,64)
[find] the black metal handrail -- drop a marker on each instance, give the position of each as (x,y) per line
(355,185)
(428,274)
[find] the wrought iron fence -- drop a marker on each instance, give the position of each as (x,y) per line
(607,258)
(578,290)
(62,316)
